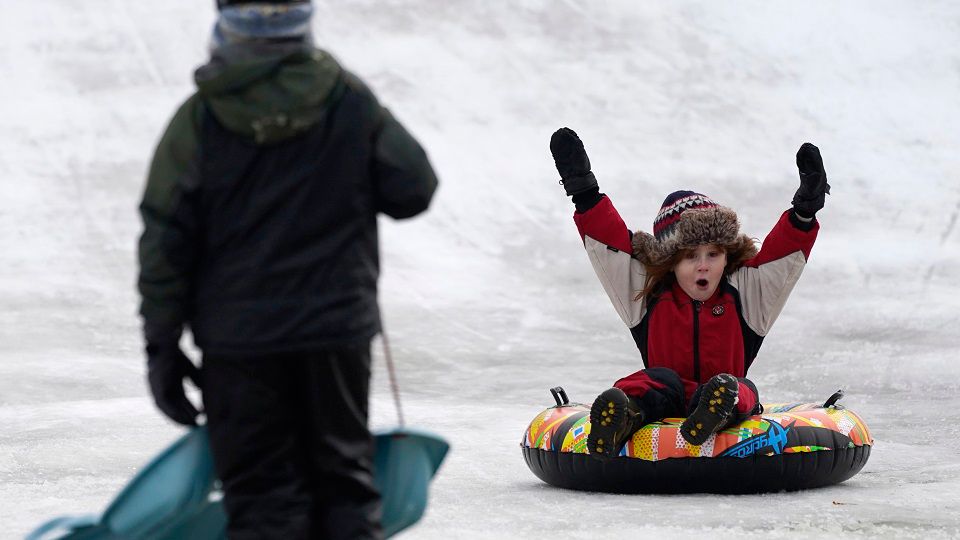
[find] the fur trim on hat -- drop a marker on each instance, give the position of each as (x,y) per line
(714,225)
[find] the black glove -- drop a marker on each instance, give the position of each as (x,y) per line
(572,162)
(810,196)
(167,367)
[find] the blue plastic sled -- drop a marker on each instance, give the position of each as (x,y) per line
(405,462)
(173,497)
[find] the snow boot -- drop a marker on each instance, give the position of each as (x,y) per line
(614,418)
(714,410)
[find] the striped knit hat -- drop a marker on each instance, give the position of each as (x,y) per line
(686,219)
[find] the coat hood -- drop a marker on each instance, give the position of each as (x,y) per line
(268,91)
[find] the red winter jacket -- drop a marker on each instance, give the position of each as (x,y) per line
(697,339)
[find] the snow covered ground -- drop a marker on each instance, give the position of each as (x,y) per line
(489,299)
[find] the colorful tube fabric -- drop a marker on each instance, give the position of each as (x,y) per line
(784,428)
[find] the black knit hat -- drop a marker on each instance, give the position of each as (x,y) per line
(686,219)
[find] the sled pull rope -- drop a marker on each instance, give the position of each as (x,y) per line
(394,387)
(833,399)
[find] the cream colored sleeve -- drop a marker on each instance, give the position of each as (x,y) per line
(764,289)
(622,278)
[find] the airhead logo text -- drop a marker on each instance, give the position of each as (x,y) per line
(775,437)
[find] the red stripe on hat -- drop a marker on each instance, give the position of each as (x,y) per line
(659,226)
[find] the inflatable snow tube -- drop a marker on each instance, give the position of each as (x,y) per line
(789,446)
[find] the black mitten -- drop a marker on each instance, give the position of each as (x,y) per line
(167,367)
(572,162)
(809,198)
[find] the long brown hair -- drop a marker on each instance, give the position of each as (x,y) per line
(660,276)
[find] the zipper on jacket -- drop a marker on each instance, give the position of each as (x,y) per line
(696,340)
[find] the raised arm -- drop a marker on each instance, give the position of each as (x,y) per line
(604,234)
(765,281)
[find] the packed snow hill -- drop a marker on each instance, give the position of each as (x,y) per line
(489,298)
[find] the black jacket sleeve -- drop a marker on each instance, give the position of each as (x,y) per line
(404,180)
(169,243)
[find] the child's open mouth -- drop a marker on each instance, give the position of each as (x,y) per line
(702,283)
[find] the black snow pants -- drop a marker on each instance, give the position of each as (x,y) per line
(291,445)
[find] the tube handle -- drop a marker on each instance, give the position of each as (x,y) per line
(832,400)
(560,396)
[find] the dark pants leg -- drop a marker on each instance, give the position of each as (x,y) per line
(658,391)
(346,502)
(291,444)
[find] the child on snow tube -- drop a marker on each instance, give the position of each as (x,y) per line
(697,295)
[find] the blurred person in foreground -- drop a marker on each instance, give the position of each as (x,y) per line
(260,235)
